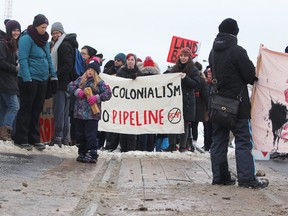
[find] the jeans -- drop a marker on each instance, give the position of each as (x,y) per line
(9,106)
(243,151)
(61,115)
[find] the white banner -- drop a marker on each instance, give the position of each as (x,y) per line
(269,102)
(148,104)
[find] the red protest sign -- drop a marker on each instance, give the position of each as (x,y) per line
(177,44)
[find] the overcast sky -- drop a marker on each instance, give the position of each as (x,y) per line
(146,27)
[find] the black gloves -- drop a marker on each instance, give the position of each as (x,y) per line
(133,76)
(54,85)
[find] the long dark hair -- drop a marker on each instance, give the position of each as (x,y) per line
(185,68)
(11,43)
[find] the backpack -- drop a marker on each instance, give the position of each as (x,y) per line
(79,66)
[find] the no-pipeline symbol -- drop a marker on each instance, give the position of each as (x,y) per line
(174,115)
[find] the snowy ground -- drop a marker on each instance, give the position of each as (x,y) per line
(51,182)
(71,151)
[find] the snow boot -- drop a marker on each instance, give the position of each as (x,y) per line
(5,133)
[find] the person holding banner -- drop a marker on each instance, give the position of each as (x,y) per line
(129,71)
(146,142)
(232,70)
(190,81)
(86,118)
(112,139)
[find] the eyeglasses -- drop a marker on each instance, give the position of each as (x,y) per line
(118,60)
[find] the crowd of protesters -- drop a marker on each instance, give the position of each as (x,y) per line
(31,67)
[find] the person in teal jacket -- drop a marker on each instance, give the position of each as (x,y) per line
(35,69)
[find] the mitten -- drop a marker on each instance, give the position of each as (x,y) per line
(133,76)
(182,75)
(92,99)
(27,87)
(80,93)
(54,85)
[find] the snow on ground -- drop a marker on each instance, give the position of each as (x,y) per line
(71,151)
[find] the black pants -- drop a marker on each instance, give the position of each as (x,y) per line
(146,142)
(86,135)
(128,142)
(194,126)
(28,117)
(101,135)
(243,151)
(207,135)
(112,141)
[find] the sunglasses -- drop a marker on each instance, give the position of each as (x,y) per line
(117,60)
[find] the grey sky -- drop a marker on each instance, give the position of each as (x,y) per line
(146,27)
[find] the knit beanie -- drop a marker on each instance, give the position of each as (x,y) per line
(148,62)
(94,65)
(286,49)
(57,26)
(121,57)
(131,54)
(91,50)
(229,26)
(39,20)
(6,20)
(186,51)
(12,25)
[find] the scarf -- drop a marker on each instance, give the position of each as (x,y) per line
(54,51)
(40,40)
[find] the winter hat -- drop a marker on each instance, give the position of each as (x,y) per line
(91,50)
(229,26)
(12,25)
(131,54)
(39,20)
(186,51)
(6,20)
(286,49)
(121,57)
(57,26)
(139,60)
(95,65)
(148,62)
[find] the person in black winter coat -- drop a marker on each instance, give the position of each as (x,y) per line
(190,81)
(63,57)
(9,67)
(233,70)
(112,140)
(129,71)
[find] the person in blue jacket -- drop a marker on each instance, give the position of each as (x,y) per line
(35,69)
